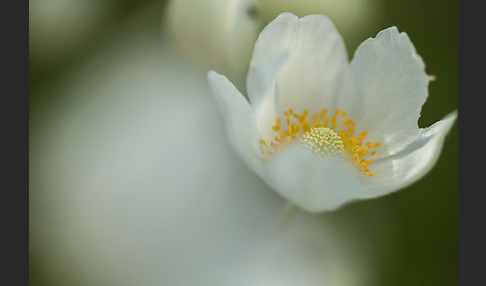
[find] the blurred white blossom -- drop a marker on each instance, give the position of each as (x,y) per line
(218,34)
(322,131)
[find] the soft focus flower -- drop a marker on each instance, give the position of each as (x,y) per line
(216,33)
(323,132)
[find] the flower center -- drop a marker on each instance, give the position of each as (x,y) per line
(324,142)
(325,135)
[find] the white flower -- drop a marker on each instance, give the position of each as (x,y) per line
(323,131)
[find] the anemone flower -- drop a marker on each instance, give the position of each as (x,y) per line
(323,131)
(121,193)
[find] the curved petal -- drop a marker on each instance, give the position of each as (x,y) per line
(238,118)
(311,183)
(316,61)
(384,89)
(264,108)
(411,163)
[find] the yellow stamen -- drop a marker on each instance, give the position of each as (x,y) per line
(295,128)
(326,136)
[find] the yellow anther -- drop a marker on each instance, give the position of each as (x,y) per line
(303,116)
(327,122)
(305,126)
(362,136)
(323,113)
(295,128)
(274,145)
(332,136)
(350,130)
(362,152)
(341,133)
(333,126)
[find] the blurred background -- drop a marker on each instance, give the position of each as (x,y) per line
(132,181)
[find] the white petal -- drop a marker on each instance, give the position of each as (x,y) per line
(316,61)
(238,118)
(264,106)
(413,162)
(312,183)
(384,89)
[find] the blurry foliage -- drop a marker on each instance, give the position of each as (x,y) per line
(46,69)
